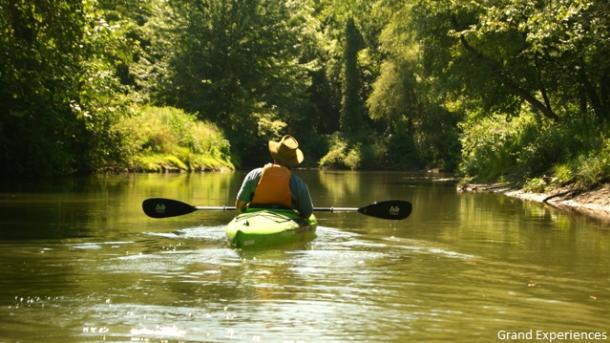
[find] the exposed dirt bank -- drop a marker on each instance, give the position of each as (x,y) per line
(594,203)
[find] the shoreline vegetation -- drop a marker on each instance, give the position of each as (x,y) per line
(514,91)
(167,139)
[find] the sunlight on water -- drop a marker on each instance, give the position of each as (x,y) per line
(165,332)
(209,233)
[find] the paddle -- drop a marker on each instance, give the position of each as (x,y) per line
(389,209)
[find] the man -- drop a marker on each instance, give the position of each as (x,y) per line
(274,185)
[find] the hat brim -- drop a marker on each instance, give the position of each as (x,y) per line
(289,160)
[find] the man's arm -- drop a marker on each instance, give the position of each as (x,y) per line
(240,205)
(302,197)
(248,186)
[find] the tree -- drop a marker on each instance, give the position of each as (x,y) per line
(58,87)
(235,62)
(353,115)
(420,128)
(39,68)
(506,53)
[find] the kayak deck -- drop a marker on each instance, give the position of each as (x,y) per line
(269,227)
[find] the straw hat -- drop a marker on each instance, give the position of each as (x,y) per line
(286,151)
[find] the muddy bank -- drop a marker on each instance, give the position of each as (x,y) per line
(594,203)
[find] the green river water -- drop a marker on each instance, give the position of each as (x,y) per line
(82,263)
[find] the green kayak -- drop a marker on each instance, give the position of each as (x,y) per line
(269,227)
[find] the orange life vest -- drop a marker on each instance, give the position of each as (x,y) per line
(273,187)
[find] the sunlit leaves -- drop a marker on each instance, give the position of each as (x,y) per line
(536,51)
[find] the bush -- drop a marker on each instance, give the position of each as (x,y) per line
(536,184)
(378,152)
(490,146)
(337,155)
(594,167)
(563,173)
(574,149)
(168,139)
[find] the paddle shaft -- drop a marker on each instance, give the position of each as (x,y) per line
(315,209)
(215,208)
(335,209)
(388,209)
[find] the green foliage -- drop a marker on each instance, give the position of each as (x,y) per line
(563,173)
(229,61)
(401,102)
(393,95)
(57,89)
(342,155)
(168,139)
(489,146)
(541,64)
(507,53)
(383,152)
(507,88)
(337,152)
(352,120)
(536,185)
(573,150)
(594,167)
(405,100)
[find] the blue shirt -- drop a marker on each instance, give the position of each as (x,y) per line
(301,200)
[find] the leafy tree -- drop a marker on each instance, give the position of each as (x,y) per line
(59,91)
(233,59)
(352,108)
(39,77)
(418,125)
(504,59)
(506,53)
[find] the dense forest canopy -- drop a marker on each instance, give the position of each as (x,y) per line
(491,89)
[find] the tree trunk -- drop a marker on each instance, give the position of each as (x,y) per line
(592,94)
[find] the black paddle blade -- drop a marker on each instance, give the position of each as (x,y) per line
(389,209)
(163,208)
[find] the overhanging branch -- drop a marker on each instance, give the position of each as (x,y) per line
(496,69)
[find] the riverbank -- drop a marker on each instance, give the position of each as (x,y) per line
(594,203)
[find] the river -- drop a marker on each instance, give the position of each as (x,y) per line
(82,263)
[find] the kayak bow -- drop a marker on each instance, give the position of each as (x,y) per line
(269,227)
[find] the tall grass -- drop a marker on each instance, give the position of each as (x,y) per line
(169,139)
